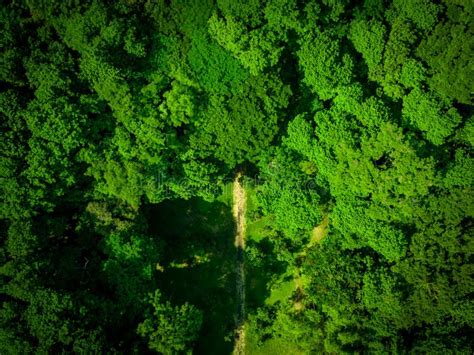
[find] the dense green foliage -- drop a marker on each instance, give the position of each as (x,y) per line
(354,114)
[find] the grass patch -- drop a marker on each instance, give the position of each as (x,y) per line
(273,346)
(320,231)
(226,196)
(282,291)
(259,229)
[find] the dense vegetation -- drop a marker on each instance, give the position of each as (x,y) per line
(123,121)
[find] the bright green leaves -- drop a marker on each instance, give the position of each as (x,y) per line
(300,134)
(388,52)
(59,123)
(13,149)
(45,318)
(12,52)
(283,15)
(170,329)
(12,331)
(295,209)
(382,295)
(413,74)
(355,117)
(255,50)
(396,163)
(335,8)
(398,49)
(388,241)
(448,52)
(399,57)
(373,174)
(130,267)
(430,115)
(246,11)
(392,63)
(289,196)
(132,45)
(56,124)
(369,40)
(460,172)
(21,241)
(242,126)
(423,13)
(234,133)
(132,158)
(324,65)
(360,228)
(215,68)
(127,179)
(178,106)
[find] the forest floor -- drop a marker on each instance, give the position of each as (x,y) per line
(199,264)
(239,205)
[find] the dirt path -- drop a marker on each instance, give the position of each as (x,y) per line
(238,209)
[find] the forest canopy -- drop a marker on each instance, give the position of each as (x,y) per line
(122,123)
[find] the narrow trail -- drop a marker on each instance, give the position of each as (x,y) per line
(238,209)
